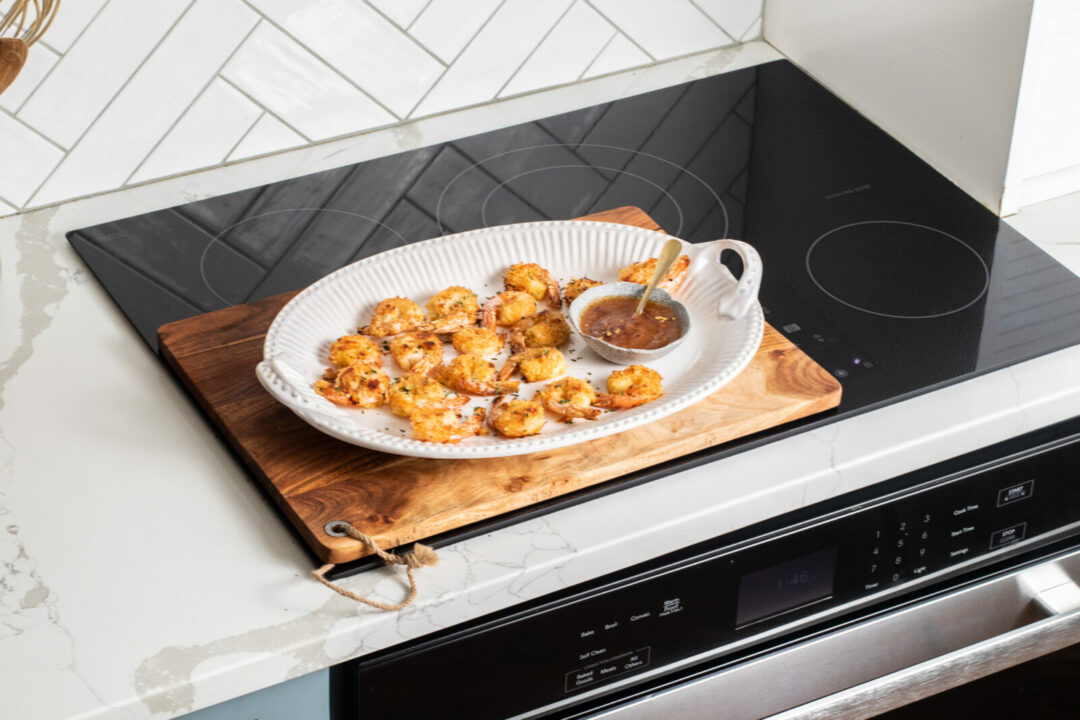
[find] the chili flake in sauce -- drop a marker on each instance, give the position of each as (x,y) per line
(612,319)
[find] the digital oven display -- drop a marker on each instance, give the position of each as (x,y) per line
(789,585)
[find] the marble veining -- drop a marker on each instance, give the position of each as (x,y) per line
(141,574)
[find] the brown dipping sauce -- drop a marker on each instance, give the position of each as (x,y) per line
(612,319)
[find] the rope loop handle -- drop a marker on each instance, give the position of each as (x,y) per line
(420,556)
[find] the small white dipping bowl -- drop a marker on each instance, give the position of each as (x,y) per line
(614,353)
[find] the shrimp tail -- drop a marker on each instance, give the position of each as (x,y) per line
(511,365)
(457,402)
(570,410)
(501,387)
(517,333)
(332,393)
(676,276)
(487,313)
(448,324)
(553,292)
(618,402)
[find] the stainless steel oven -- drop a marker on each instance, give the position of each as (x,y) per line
(842,609)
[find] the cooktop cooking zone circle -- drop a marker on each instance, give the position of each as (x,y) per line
(292,261)
(658,186)
(906,270)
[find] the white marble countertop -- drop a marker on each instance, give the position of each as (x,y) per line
(145,576)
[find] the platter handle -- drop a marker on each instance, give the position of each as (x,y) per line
(736,301)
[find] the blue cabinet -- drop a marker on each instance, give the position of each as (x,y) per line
(304,698)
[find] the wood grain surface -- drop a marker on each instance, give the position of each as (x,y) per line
(396,500)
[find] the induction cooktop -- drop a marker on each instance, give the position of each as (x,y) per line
(877,266)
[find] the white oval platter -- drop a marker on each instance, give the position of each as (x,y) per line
(298,341)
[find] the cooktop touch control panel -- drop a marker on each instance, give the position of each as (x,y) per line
(729,597)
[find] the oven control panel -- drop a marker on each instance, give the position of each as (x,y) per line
(724,595)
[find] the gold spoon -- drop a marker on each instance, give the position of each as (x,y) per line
(668,254)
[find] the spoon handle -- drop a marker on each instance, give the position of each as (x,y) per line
(668,254)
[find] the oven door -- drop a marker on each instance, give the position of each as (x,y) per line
(897,658)
(845,608)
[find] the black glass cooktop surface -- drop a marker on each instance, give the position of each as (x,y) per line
(881,269)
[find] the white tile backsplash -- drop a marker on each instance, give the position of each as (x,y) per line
(619,54)
(403,12)
(206,133)
(102,60)
(267,135)
(155,98)
(73,20)
(737,18)
(389,65)
(565,53)
(664,29)
(38,64)
(445,27)
(125,91)
(28,160)
(298,87)
(494,54)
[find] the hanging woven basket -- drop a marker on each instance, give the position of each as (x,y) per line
(22,25)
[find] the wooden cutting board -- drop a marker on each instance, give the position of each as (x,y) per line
(397,500)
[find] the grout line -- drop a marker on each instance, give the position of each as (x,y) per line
(62,55)
(242,137)
(759,18)
(408,37)
(117,94)
(37,132)
(238,89)
(182,115)
(614,34)
(9,203)
(711,19)
(59,57)
(455,58)
(536,47)
(624,33)
(324,61)
(422,10)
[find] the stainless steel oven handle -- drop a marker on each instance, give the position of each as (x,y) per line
(952,669)
(891,660)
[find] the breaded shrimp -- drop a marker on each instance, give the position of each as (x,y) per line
(453,301)
(516,417)
(478,341)
(360,385)
(533,279)
(393,316)
(449,324)
(577,286)
(542,363)
(412,392)
(445,426)
(472,374)
(420,352)
(544,329)
(570,398)
(641,272)
(350,349)
(630,387)
(506,308)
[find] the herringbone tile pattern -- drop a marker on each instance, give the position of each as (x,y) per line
(127,91)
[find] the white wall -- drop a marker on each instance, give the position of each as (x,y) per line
(122,92)
(942,76)
(1045,158)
